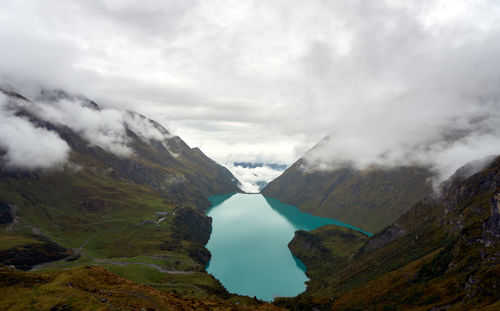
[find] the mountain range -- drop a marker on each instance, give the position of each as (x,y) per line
(274,166)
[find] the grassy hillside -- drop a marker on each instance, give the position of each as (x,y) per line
(443,254)
(370,199)
(95,288)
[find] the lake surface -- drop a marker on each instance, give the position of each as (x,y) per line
(249,242)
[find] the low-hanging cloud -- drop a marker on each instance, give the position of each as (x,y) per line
(250,177)
(101,127)
(27,146)
(145,128)
(407,93)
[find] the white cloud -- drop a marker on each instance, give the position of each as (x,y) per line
(249,177)
(104,128)
(30,146)
(26,145)
(145,128)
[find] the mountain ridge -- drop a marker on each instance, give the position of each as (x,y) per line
(370,199)
(163,155)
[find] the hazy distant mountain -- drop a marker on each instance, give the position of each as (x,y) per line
(370,199)
(254,176)
(443,253)
(274,166)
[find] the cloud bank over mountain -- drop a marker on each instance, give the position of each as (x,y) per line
(390,82)
(25,145)
(29,145)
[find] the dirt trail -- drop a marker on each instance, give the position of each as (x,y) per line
(177,285)
(150,265)
(111,261)
(78,250)
(63,261)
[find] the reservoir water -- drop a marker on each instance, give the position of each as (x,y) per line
(249,239)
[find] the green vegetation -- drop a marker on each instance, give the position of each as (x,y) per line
(327,250)
(124,229)
(10,240)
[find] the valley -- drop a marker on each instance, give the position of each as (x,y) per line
(167,228)
(249,155)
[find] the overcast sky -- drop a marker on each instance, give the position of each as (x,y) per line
(390,81)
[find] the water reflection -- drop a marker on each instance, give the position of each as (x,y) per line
(219,199)
(305,221)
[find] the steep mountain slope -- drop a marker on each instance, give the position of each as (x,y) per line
(441,254)
(129,197)
(159,160)
(370,199)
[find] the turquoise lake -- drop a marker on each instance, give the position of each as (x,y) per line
(249,239)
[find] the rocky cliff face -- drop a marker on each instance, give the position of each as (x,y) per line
(449,209)
(325,251)
(492,226)
(5,213)
(25,256)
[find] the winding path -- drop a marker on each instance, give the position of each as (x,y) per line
(111,261)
